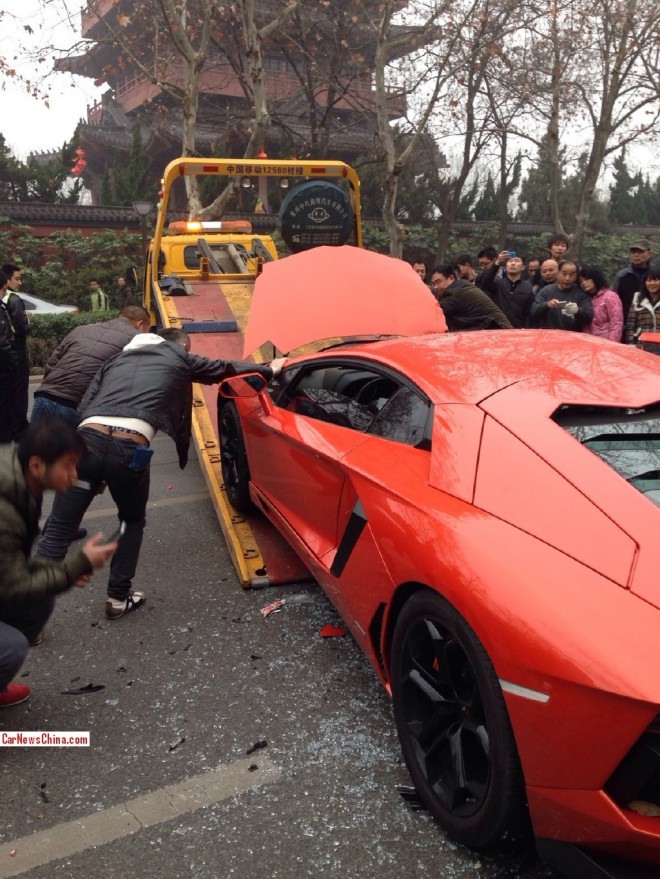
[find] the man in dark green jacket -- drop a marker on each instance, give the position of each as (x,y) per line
(465,306)
(46,458)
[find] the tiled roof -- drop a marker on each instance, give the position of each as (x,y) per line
(62,216)
(34,213)
(65,215)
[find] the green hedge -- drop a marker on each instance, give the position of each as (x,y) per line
(48,330)
(59,266)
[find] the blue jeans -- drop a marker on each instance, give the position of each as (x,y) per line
(13,650)
(19,624)
(106,461)
(45,408)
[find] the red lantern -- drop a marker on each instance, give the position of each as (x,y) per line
(262,154)
(79,166)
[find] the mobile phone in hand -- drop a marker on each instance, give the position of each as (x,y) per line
(117,533)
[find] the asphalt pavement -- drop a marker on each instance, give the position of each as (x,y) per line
(223,743)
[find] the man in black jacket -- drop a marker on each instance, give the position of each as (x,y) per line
(513,294)
(144,389)
(465,306)
(564,305)
(7,367)
(630,280)
(77,359)
(21,326)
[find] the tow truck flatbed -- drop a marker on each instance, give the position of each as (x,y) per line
(213,267)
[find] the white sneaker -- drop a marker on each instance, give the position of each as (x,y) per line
(115,607)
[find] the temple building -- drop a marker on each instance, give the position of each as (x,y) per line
(331,117)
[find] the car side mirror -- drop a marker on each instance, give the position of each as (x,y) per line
(249,385)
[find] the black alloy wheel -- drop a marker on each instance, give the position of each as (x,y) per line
(233,459)
(453,724)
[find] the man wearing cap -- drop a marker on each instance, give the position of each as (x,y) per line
(630,279)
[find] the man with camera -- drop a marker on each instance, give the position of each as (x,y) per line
(46,457)
(563,305)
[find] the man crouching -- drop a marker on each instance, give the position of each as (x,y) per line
(46,458)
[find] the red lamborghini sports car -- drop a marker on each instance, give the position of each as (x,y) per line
(482,509)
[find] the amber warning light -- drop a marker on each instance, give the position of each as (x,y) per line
(183,227)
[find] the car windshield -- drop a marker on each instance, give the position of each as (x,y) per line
(628,440)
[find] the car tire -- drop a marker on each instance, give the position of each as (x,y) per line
(233,459)
(453,725)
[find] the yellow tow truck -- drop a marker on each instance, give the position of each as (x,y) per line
(200,276)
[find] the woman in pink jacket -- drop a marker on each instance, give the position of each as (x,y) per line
(608,312)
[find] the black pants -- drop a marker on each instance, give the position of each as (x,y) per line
(106,461)
(21,390)
(7,401)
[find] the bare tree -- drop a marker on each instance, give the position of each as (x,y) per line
(329,49)
(543,81)
(464,114)
(422,76)
(589,71)
(254,38)
(619,89)
(167,42)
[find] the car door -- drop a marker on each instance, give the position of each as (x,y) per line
(296,450)
(387,482)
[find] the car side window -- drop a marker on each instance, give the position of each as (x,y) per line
(404,418)
(359,399)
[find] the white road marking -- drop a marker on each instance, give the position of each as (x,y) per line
(152,505)
(164,804)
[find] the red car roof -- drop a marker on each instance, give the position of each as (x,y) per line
(471,366)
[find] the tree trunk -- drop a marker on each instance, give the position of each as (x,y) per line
(503,193)
(553,135)
(190,105)
(591,174)
(254,38)
(394,229)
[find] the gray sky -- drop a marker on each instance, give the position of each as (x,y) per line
(30,125)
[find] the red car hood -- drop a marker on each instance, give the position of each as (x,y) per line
(330,292)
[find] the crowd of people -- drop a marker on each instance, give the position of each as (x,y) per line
(503,290)
(107,389)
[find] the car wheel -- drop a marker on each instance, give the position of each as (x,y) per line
(233,459)
(453,724)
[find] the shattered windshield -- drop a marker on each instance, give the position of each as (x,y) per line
(628,440)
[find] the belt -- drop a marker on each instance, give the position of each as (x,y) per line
(124,432)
